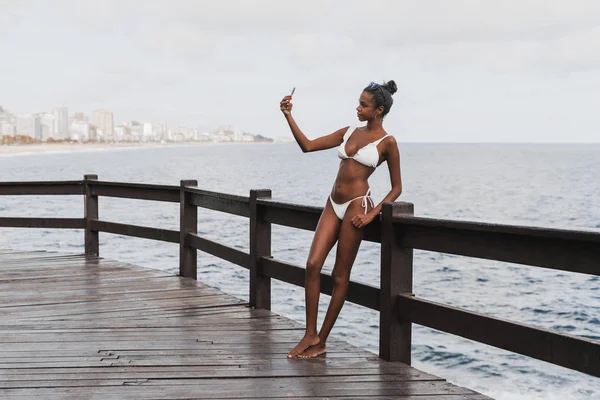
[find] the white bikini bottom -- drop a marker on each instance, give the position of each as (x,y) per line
(340,209)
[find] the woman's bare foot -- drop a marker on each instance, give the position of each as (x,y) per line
(314,351)
(306,342)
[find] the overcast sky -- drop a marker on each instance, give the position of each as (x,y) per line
(467,70)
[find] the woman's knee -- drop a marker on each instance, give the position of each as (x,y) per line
(340,278)
(313,267)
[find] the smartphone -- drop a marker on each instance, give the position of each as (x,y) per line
(291,94)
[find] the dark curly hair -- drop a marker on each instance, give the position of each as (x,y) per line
(382,95)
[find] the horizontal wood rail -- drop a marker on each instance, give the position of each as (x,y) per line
(227,203)
(41,188)
(358,293)
(564,250)
(398,231)
(221,251)
(144,232)
(137,191)
(306,217)
(561,349)
(47,223)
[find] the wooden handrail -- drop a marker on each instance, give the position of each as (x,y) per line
(398,231)
(137,191)
(358,293)
(46,223)
(305,217)
(219,250)
(572,251)
(227,203)
(566,350)
(143,232)
(41,188)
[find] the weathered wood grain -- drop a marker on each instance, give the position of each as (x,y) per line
(75,325)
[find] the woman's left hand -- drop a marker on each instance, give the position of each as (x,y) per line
(362,220)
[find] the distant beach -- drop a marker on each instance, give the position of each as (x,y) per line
(23,149)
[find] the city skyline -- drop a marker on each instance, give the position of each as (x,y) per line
(99,126)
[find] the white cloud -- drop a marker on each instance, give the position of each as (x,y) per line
(180,41)
(10,15)
(578,50)
(501,35)
(441,21)
(241,16)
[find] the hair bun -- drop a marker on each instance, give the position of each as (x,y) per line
(390,86)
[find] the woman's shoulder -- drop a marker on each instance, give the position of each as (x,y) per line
(390,139)
(387,135)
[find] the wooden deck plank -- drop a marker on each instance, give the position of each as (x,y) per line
(73,324)
(222,372)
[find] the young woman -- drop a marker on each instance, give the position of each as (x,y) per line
(349,207)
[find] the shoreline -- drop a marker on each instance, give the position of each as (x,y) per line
(41,148)
(25,149)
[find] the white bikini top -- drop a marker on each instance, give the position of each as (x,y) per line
(367,155)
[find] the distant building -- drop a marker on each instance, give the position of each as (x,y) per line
(161,132)
(92,133)
(61,122)
(29,125)
(80,130)
(147,132)
(103,120)
(204,137)
(79,116)
(122,133)
(7,129)
(136,130)
(6,117)
(47,126)
(226,130)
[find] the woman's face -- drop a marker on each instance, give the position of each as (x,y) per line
(366,107)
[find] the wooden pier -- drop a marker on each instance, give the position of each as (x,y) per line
(77,326)
(80,326)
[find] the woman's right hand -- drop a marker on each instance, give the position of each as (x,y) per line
(285,106)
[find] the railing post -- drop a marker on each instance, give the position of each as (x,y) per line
(188,223)
(92,240)
(395,336)
(260,246)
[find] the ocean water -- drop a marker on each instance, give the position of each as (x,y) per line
(554,186)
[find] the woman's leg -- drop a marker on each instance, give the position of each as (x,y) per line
(325,237)
(349,241)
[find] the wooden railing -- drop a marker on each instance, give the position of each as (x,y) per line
(398,231)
